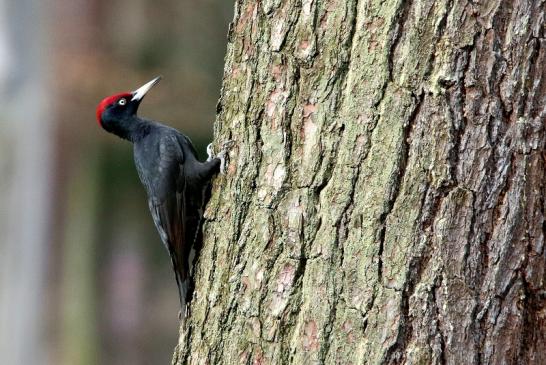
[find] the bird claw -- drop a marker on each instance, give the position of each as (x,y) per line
(222,155)
(210,152)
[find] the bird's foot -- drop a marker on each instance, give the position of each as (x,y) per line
(224,153)
(210,152)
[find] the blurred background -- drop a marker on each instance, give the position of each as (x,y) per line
(84,278)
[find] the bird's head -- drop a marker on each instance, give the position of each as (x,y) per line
(113,110)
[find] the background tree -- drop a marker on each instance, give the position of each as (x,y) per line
(384,202)
(25,179)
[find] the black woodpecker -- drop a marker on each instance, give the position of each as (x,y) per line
(174,179)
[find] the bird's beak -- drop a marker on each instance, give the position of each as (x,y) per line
(139,93)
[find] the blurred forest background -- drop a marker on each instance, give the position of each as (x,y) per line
(84,278)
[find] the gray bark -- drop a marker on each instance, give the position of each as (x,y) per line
(384,202)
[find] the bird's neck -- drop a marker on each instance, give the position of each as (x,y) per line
(132,129)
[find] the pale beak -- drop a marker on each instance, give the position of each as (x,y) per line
(139,93)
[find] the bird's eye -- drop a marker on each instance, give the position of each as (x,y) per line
(122,102)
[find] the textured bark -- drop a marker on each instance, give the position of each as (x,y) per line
(384,202)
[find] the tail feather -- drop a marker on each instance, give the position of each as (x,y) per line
(183,293)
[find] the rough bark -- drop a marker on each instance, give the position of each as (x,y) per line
(384,202)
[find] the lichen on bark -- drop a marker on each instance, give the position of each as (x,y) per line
(384,201)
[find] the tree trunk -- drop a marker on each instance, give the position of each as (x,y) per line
(26,180)
(384,201)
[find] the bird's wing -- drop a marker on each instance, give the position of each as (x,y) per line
(176,199)
(169,220)
(167,203)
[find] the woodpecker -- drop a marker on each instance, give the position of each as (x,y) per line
(174,179)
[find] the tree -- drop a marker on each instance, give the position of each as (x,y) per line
(26,180)
(384,201)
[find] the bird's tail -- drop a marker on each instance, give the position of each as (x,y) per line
(183,291)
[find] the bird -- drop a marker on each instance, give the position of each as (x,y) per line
(174,179)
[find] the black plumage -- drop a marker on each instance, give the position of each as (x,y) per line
(174,179)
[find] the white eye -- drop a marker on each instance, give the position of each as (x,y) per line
(122,102)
